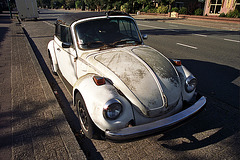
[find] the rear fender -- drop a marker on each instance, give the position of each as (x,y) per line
(96,97)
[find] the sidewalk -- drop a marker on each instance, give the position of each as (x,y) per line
(32,124)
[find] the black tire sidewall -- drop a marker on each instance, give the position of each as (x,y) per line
(91,127)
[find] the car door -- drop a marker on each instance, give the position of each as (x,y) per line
(65,53)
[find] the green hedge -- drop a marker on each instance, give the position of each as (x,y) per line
(198,12)
(233,14)
(183,10)
(222,15)
(162,9)
(175,9)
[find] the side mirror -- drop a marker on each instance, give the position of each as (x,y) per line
(66,45)
(145,36)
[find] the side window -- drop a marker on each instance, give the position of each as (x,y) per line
(58,31)
(63,33)
(66,34)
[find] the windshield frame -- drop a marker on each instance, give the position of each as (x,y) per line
(75,24)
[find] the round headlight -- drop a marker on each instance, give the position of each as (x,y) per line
(112,109)
(190,84)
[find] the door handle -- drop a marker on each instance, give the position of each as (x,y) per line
(58,49)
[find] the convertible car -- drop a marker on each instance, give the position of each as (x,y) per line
(122,88)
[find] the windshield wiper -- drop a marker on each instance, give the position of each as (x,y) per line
(103,45)
(126,42)
(111,45)
(114,44)
(94,42)
(106,46)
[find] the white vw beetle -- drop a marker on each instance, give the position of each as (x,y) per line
(120,86)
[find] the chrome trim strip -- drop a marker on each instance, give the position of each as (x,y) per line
(111,101)
(67,85)
(146,129)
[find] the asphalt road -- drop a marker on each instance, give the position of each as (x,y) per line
(212,55)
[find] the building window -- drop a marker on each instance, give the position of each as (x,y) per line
(237,5)
(215,6)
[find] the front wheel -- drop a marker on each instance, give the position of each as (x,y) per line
(87,125)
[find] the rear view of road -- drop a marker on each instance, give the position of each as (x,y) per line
(214,60)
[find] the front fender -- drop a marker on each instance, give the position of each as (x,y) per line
(96,97)
(52,55)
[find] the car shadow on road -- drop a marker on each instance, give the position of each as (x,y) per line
(216,80)
(214,126)
(220,120)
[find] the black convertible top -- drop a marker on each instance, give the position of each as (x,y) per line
(68,19)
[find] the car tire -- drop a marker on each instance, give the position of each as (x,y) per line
(51,65)
(88,127)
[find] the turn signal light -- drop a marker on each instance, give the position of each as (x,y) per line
(177,62)
(99,80)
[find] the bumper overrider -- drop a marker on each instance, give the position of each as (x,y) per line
(160,125)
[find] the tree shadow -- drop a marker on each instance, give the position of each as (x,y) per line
(28,122)
(31,130)
(46,11)
(4,19)
(3,32)
(40,19)
(42,37)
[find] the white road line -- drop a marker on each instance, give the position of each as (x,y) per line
(231,40)
(173,25)
(201,35)
(157,27)
(150,26)
(52,25)
(174,30)
(187,46)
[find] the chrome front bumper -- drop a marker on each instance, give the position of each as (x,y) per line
(160,125)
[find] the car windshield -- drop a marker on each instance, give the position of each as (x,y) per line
(109,32)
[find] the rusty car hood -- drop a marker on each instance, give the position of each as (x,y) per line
(143,75)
